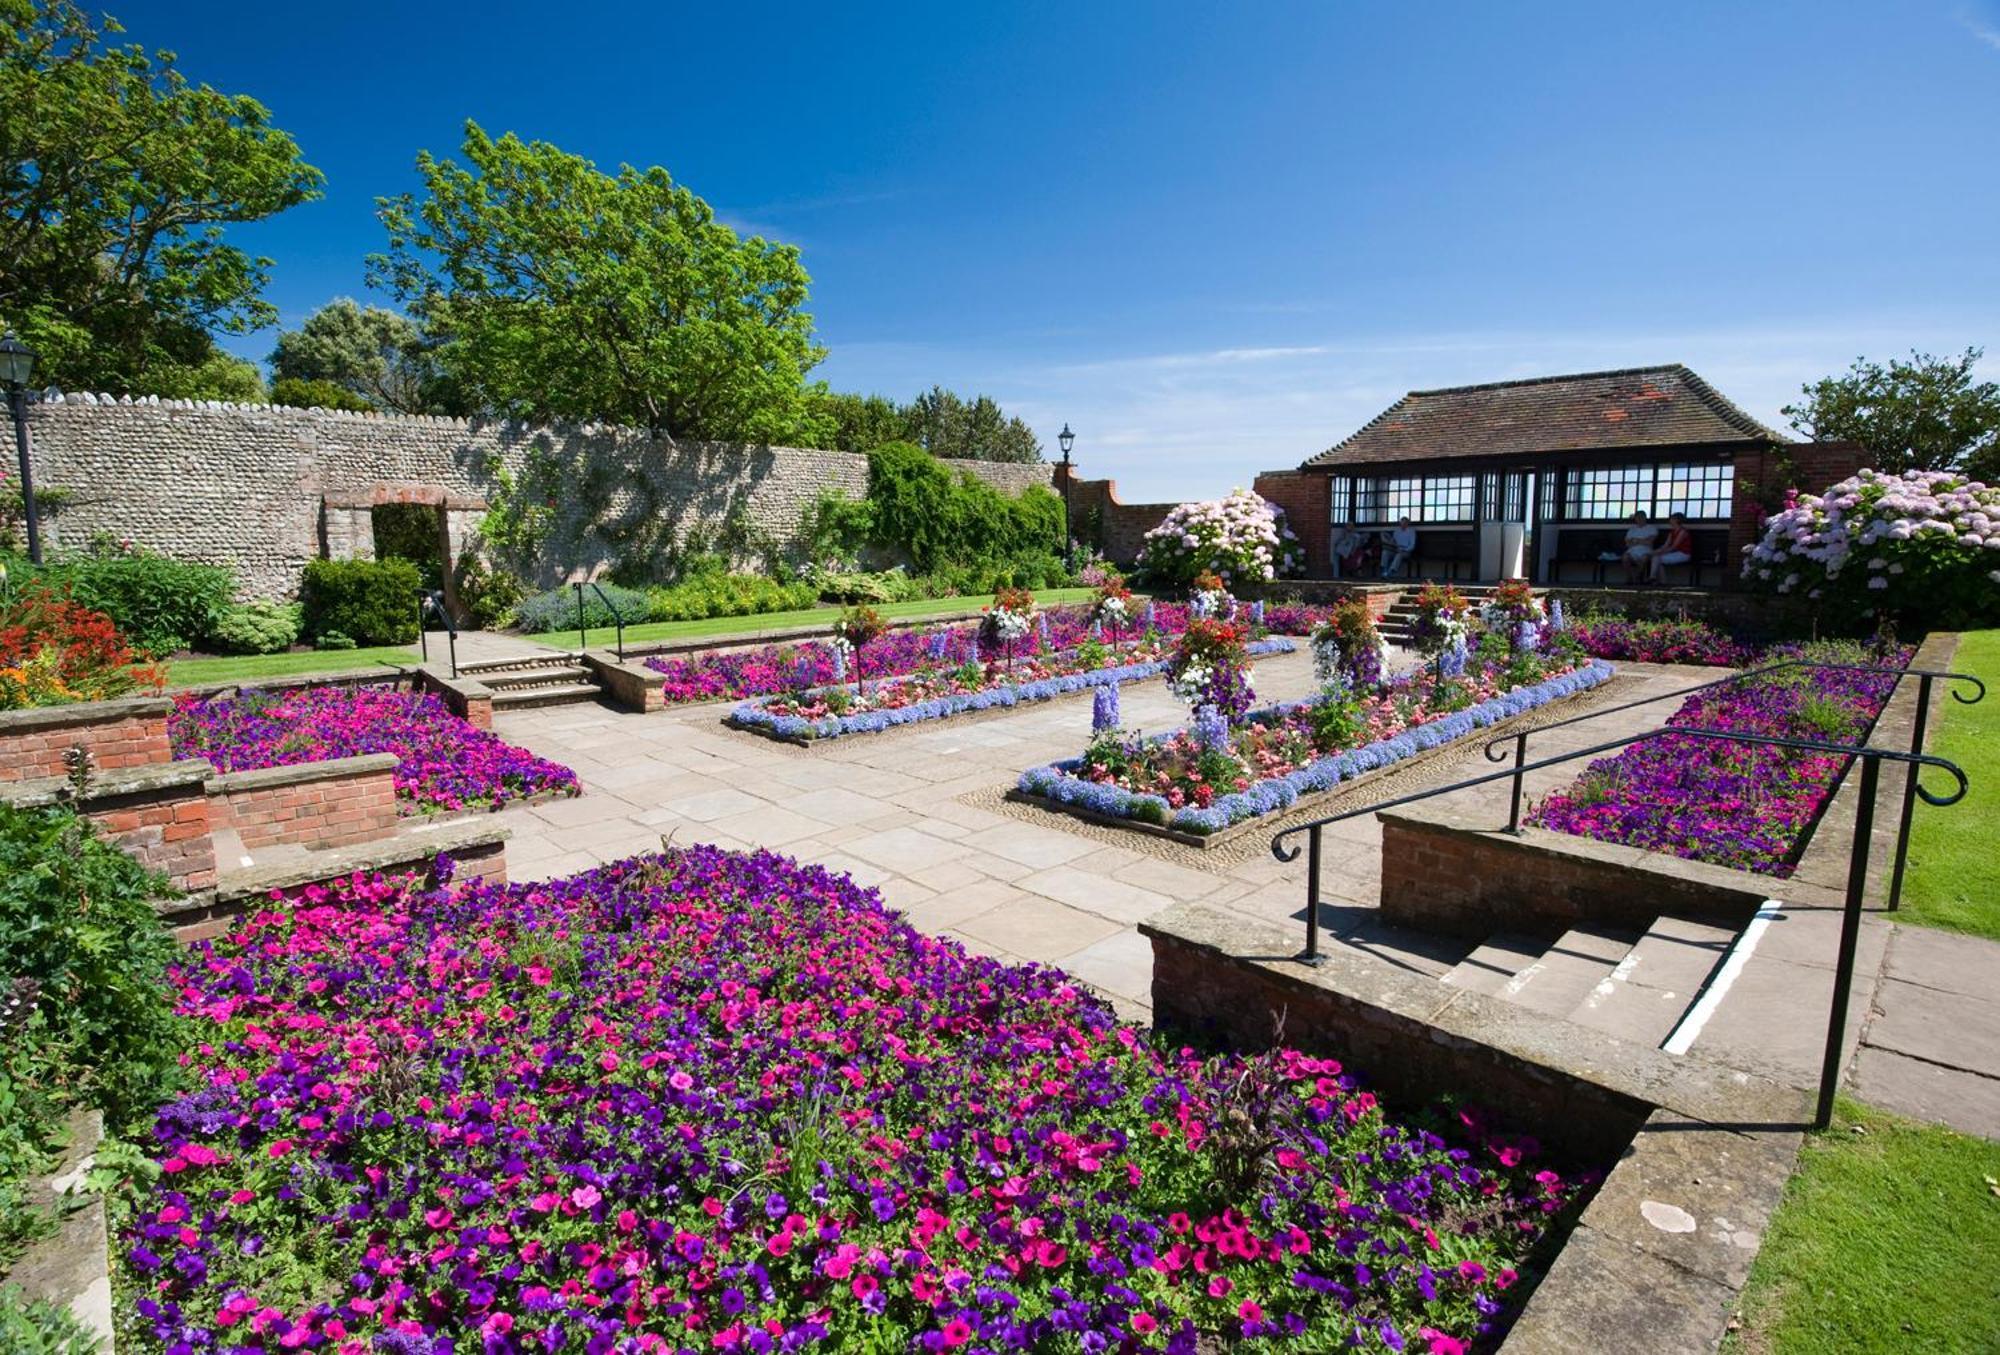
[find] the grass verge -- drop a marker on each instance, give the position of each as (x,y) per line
(1954,874)
(751,627)
(251,667)
(1884,1242)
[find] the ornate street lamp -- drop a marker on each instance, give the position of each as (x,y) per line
(17,365)
(1066,440)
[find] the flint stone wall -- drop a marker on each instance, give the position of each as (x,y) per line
(264,488)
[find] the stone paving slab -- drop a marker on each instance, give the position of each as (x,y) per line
(1966,1101)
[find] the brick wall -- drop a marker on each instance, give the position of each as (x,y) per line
(264,488)
(158,813)
(1452,872)
(117,734)
(1763,476)
(315,804)
(1308,504)
(1120,528)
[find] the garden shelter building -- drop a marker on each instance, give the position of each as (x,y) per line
(1536,478)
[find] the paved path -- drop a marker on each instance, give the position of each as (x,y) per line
(480,646)
(887,810)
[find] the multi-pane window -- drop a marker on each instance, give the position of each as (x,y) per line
(1701,490)
(1420,498)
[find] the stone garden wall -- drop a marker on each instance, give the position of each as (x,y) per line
(265,488)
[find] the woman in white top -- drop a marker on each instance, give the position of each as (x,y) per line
(1639,539)
(1400,545)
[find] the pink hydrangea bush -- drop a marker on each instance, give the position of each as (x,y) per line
(705,1101)
(1923,544)
(443,763)
(1241,539)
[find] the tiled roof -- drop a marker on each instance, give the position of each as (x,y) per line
(1634,407)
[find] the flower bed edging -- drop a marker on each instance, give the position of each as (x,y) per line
(753,718)
(1052,787)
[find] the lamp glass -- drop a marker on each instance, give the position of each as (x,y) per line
(17,361)
(1067,439)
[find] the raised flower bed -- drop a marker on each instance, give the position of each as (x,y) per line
(939,692)
(1746,806)
(443,764)
(711,1101)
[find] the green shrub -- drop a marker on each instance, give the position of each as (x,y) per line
(374,602)
(158,604)
(487,593)
(38,1327)
(555,610)
(318,393)
(258,628)
(707,595)
(940,517)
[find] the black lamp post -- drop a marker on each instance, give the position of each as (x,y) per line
(1066,440)
(17,364)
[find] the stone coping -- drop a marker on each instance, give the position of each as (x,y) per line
(1317,799)
(330,863)
(395,674)
(83,713)
(71,1267)
(41,792)
(301,773)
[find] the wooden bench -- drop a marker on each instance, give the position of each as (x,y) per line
(1449,549)
(1711,551)
(1574,547)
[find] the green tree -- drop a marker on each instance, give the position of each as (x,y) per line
(858,423)
(315,394)
(117,178)
(555,291)
(947,425)
(1925,414)
(374,354)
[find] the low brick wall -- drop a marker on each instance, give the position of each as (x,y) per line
(478,849)
(117,734)
(314,804)
(1458,873)
(629,685)
(465,697)
(159,814)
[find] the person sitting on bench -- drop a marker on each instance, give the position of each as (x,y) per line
(1398,545)
(1639,541)
(1677,549)
(1350,551)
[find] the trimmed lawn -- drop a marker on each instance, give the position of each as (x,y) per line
(755,627)
(1954,874)
(251,667)
(1885,1242)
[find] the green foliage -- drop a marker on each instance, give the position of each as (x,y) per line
(947,425)
(159,604)
(301,394)
(711,594)
(857,423)
(37,1327)
(258,628)
(1925,414)
(555,610)
(77,917)
(367,602)
(413,532)
(218,376)
(836,527)
(374,357)
(117,179)
(555,292)
(487,593)
(941,519)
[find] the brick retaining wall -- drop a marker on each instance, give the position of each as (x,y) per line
(116,734)
(313,804)
(159,814)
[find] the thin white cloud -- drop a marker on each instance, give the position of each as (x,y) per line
(1980,29)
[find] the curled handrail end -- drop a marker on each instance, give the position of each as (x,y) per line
(1494,752)
(1958,775)
(1978,685)
(1281,851)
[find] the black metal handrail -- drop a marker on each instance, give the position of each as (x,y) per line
(1857,868)
(434,601)
(617,617)
(1925,676)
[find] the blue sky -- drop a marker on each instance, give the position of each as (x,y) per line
(1217,238)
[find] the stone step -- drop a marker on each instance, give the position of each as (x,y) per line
(553,658)
(1489,968)
(511,679)
(1560,978)
(554,694)
(1651,988)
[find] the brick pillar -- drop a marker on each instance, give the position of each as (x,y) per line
(1308,503)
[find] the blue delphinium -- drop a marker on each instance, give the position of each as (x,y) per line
(1451,661)
(1557,621)
(1042,628)
(1146,617)
(1211,729)
(1104,709)
(937,645)
(1527,635)
(840,663)
(1257,612)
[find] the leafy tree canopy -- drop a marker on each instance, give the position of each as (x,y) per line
(1924,414)
(117,178)
(315,393)
(375,355)
(939,421)
(555,291)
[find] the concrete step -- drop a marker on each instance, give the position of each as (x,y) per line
(1489,968)
(550,658)
(1644,997)
(553,694)
(1568,970)
(544,675)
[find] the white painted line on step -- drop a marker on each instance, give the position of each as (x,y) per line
(1609,983)
(1684,1034)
